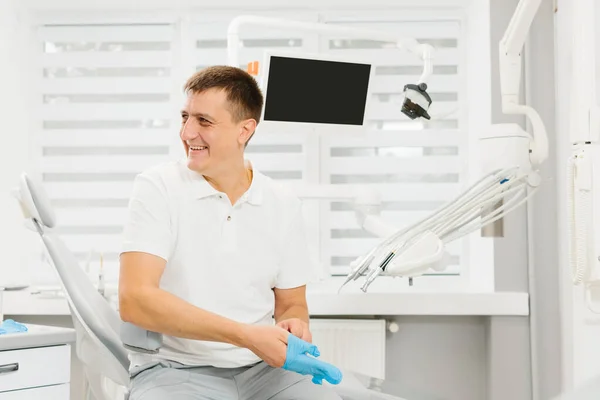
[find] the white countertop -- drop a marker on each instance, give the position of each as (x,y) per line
(323,300)
(36,336)
(483,304)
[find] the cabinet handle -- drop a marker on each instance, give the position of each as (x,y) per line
(9,368)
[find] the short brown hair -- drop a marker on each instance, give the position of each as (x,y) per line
(242,90)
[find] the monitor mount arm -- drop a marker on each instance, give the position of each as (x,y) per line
(416,102)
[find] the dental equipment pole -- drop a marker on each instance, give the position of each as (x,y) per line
(511,137)
(510,65)
(511,47)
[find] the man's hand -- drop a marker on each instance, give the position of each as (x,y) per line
(267,342)
(296,327)
(301,358)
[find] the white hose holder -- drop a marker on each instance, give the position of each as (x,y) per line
(505,146)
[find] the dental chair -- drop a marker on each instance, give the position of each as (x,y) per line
(97,325)
(103,340)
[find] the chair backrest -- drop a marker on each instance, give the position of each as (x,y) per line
(97,323)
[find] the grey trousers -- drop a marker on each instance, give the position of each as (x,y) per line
(174,381)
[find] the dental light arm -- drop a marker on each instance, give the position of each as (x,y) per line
(416,102)
(423,51)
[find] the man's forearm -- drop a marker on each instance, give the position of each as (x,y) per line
(296,311)
(160,311)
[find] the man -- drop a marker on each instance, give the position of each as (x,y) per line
(213,250)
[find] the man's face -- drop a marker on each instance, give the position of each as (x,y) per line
(211,138)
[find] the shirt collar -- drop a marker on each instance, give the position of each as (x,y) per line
(202,189)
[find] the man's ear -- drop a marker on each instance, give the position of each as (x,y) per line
(247,130)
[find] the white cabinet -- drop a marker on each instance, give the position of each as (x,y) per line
(36,364)
(59,392)
(30,368)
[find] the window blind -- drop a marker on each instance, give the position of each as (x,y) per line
(106,115)
(415,165)
(110,98)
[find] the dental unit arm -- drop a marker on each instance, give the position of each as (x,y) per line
(510,156)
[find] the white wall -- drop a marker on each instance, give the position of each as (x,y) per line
(513,373)
(580,328)
(544,278)
(15,112)
(441,358)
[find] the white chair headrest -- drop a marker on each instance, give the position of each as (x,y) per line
(34,201)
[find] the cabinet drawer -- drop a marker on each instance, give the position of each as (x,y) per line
(40,366)
(59,392)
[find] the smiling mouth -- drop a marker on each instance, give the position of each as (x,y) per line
(198,148)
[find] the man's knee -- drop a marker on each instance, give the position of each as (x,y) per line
(157,382)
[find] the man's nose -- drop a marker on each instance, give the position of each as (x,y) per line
(189,130)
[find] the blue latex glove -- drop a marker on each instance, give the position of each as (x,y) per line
(10,326)
(300,358)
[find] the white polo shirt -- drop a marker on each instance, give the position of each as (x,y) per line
(222,258)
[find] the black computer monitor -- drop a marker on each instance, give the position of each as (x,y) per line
(315,90)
